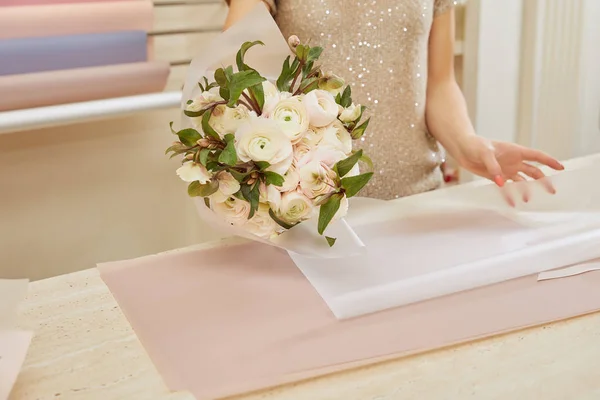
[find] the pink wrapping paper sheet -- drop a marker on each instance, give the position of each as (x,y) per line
(70,19)
(230,320)
(84,84)
(45,2)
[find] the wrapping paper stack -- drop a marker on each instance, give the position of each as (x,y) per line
(66,51)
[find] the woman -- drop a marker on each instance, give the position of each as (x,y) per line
(398,56)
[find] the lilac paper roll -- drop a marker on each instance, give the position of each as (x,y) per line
(27,55)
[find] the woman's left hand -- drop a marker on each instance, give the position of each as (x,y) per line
(502,161)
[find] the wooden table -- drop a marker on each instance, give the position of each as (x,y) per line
(84,348)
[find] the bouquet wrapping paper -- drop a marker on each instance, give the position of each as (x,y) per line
(4,3)
(28,55)
(82,84)
(76,18)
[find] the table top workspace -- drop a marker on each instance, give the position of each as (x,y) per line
(84,348)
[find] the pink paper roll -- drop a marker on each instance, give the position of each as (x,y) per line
(84,84)
(4,3)
(230,320)
(71,19)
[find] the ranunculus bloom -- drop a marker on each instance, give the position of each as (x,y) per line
(292,117)
(228,186)
(261,139)
(321,107)
(261,224)
(351,113)
(295,207)
(192,172)
(233,210)
(316,180)
(337,137)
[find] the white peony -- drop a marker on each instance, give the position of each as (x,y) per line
(295,207)
(225,120)
(261,224)
(291,180)
(321,107)
(233,210)
(292,117)
(260,139)
(351,113)
(317,179)
(192,172)
(270,195)
(337,137)
(228,186)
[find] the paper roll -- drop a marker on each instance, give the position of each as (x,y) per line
(72,19)
(4,3)
(84,84)
(28,55)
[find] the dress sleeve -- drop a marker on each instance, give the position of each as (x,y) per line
(441,6)
(272,4)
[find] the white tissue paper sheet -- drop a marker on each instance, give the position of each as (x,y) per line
(460,238)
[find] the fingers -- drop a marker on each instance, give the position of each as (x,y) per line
(493,167)
(542,158)
(537,174)
(524,189)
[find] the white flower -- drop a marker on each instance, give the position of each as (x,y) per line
(260,139)
(261,224)
(351,113)
(292,117)
(322,108)
(233,210)
(302,154)
(225,120)
(316,179)
(331,83)
(295,207)
(327,156)
(270,89)
(270,195)
(312,137)
(272,101)
(228,186)
(337,137)
(200,102)
(192,172)
(291,180)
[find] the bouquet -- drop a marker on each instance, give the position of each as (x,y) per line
(266,155)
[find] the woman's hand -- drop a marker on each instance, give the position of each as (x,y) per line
(502,161)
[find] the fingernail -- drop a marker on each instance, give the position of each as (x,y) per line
(499,181)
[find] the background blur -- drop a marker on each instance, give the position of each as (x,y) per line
(80,193)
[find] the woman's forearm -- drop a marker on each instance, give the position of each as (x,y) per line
(238,10)
(447,116)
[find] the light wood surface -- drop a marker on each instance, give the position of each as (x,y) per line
(84,348)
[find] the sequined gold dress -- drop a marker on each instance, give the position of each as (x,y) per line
(380,48)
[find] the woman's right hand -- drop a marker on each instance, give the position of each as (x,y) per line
(238,10)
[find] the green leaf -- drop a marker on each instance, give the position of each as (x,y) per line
(224,93)
(330,241)
(252,195)
(328,211)
(367,160)
(287,74)
(194,114)
(228,72)
(238,195)
(359,131)
(207,202)
(207,128)
(173,131)
(310,84)
(196,189)
(189,136)
(307,69)
(279,222)
(177,147)
(302,52)
(239,59)
(273,178)
(314,53)
(203,157)
(201,87)
(262,165)
(228,156)
(354,184)
(344,166)
(239,176)
(241,81)
(258,93)
(346,99)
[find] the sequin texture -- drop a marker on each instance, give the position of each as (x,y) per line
(380,48)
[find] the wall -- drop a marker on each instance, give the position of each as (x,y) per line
(76,195)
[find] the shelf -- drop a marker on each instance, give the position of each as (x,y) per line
(45,117)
